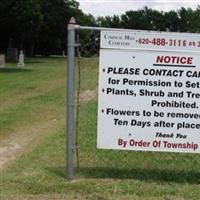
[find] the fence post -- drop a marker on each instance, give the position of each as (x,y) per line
(70,98)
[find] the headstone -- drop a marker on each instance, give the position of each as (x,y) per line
(12,54)
(2,60)
(63,54)
(21,59)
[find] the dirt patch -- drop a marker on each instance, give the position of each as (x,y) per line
(18,143)
(7,152)
(88,95)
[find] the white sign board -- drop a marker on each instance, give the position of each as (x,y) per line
(149,100)
(150,40)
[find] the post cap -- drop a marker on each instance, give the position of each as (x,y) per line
(72,20)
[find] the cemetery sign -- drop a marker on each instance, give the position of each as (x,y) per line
(149,91)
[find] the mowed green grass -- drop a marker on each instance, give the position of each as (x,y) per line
(31,94)
(103,174)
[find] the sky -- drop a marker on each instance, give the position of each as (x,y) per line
(118,7)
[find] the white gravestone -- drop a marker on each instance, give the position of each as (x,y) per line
(63,54)
(21,59)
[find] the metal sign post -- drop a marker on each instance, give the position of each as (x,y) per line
(70,97)
(120,81)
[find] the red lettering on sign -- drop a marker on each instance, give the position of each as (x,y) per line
(174,60)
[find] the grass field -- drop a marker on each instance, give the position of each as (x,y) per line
(33,106)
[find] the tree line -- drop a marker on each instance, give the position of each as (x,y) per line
(40,27)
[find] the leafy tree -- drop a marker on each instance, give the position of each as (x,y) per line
(183,19)
(194,23)
(19,21)
(38,26)
(171,21)
(114,21)
(136,20)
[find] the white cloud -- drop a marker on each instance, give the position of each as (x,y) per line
(111,7)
